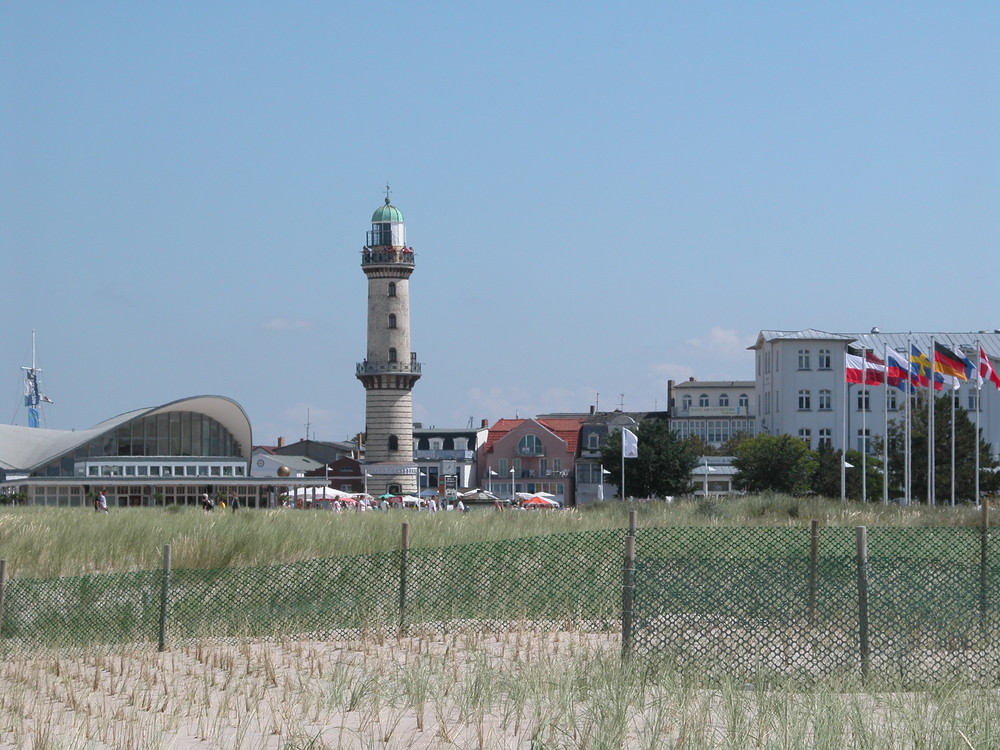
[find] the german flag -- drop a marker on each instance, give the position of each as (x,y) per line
(948,363)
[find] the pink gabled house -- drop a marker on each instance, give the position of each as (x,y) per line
(531,455)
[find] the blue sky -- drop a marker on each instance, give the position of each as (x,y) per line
(601,196)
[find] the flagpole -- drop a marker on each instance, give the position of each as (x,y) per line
(930,430)
(885,427)
(908,448)
(623,462)
(954,389)
(843,454)
(864,416)
(979,408)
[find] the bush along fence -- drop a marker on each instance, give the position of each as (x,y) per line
(901,605)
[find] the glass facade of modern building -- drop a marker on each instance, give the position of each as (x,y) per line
(168,436)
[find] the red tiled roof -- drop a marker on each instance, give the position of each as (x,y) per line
(566,429)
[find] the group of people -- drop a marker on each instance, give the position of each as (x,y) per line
(208,505)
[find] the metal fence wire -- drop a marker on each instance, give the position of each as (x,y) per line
(567,578)
(779,603)
(911,606)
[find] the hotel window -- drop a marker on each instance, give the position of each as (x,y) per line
(973,401)
(805,401)
(703,399)
(865,441)
(890,401)
(803,359)
(826,436)
(593,441)
(502,467)
(686,402)
(826,400)
(392,320)
(805,435)
(724,399)
(823,359)
(864,402)
(744,401)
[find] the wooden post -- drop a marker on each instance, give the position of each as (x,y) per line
(813,568)
(404,547)
(3,590)
(632,515)
(861,536)
(984,542)
(628,597)
(164,598)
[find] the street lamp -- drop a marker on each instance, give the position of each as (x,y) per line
(366,482)
(489,477)
(513,499)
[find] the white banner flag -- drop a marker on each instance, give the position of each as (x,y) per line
(630,444)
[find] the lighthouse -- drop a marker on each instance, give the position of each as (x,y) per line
(390,367)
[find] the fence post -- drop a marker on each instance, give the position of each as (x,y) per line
(404,546)
(861,537)
(813,568)
(3,590)
(164,597)
(628,588)
(984,541)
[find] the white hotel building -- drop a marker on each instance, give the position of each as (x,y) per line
(801,388)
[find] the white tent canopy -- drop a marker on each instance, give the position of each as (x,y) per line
(319,493)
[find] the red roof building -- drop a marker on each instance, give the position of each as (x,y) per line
(531,455)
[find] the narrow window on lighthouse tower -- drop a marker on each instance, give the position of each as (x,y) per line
(393,443)
(392,288)
(392,320)
(392,355)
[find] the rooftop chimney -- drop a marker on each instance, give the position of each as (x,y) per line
(281,442)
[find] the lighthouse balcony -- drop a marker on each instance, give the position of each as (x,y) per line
(377,256)
(379,368)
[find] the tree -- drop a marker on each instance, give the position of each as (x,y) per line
(825,479)
(965,453)
(776,463)
(663,466)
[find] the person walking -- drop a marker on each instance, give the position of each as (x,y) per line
(234,501)
(102,502)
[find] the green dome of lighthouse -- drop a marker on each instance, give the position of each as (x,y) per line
(388,212)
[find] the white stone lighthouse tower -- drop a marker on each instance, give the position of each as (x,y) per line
(390,368)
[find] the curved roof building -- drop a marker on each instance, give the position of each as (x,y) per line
(169,454)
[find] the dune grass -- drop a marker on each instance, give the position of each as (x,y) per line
(519,687)
(49,542)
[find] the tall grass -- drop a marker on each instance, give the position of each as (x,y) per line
(44,542)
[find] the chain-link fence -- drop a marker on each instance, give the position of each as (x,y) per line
(909,605)
(906,605)
(561,578)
